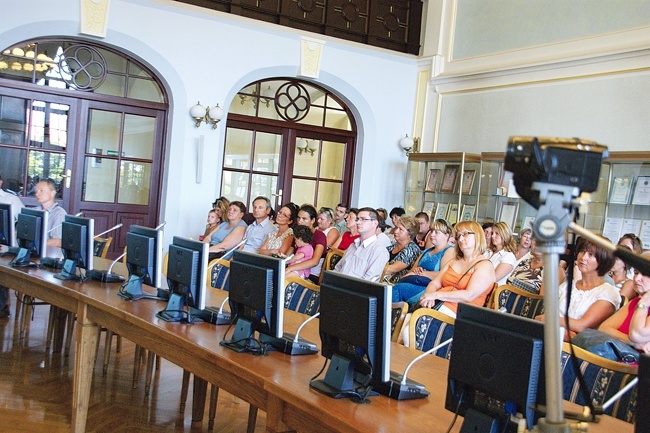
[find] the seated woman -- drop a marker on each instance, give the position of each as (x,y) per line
(325,223)
(468,277)
(279,242)
(404,252)
(411,286)
(523,244)
(210,227)
(229,233)
(592,299)
(503,252)
(619,325)
(631,241)
(527,275)
(346,239)
(220,206)
(307,217)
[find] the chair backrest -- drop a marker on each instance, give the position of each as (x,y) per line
(331,259)
(218,274)
(604,378)
(101,245)
(518,302)
(397,316)
(428,328)
(165,264)
(301,295)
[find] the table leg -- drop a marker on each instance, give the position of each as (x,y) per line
(84,360)
(199,391)
(274,423)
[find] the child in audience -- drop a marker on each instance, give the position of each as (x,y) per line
(304,251)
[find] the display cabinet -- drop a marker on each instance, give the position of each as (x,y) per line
(445,185)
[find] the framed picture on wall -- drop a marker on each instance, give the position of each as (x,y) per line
(621,189)
(508,213)
(642,191)
(428,208)
(468,212)
(468,181)
(449,177)
(452,215)
(441,211)
(432,179)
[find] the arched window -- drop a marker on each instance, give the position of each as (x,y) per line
(289,139)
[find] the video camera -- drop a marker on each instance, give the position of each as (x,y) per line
(561,161)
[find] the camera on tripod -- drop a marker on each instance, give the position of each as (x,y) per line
(569,162)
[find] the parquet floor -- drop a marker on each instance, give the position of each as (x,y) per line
(36,390)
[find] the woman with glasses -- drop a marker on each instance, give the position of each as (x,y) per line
(344,241)
(503,252)
(325,223)
(404,251)
(468,277)
(630,324)
(411,286)
(307,217)
(280,241)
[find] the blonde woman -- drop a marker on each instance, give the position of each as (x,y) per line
(221,206)
(325,223)
(503,252)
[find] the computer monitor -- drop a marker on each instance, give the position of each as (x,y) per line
(77,237)
(31,236)
(642,422)
(355,335)
(144,263)
(256,300)
(187,265)
(496,368)
(7,225)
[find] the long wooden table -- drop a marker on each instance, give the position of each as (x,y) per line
(277,383)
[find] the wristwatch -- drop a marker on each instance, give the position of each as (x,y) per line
(642,306)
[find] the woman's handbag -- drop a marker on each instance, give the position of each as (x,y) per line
(605,345)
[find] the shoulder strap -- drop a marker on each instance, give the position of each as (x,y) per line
(468,269)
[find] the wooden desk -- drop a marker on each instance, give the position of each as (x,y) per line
(277,383)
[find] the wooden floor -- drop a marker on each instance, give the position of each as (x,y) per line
(36,390)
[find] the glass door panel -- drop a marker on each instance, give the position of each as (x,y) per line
(100,178)
(13,121)
(329,194)
(237,152)
(135,178)
(267,152)
(12,168)
(139,132)
(234,185)
(263,185)
(49,125)
(305,161)
(104,132)
(332,160)
(303,191)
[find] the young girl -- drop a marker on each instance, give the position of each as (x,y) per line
(304,251)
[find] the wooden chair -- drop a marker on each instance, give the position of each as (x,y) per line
(428,328)
(301,295)
(398,314)
(604,378)
(331,259)
(101,246)
(518,302)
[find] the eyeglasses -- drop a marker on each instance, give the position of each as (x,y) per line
(463,234)
(357,219)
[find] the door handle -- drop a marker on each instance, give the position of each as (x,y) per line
(67,176)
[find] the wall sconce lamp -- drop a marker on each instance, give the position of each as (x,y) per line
(409,144)
(208,115)
(306,146)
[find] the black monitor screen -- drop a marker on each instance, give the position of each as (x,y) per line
(144,254)
(496,366)
(77,236)
(7,225)
(186,271)
(642,423)
(31,235)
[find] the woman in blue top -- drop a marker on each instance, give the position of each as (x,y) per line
(232,232)
(412,285)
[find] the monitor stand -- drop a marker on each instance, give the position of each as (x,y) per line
(339,380)
(133,290)
(242,337)
(288,345)
(22,259)
(69,271)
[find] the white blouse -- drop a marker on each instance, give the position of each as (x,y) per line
(581,300)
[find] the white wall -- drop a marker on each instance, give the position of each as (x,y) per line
(208,56)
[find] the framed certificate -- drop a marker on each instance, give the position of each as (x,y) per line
(508,213)
(468,212)
(449,178)
(621,189)
(441,211)
(642,191)
(432,179)
(468,181)
(428,208)
(452,215)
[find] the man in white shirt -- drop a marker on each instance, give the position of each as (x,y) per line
(16,205)
(262,226)
(365,258)
(45,192)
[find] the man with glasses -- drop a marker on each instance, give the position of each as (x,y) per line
(365,258)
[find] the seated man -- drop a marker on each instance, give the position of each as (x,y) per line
(365,258)
(262,226)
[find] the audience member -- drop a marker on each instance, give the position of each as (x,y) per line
(619,325)
(631,241)
(280,242)
(527,275)
(411,286)
(307,217)
(229,233)
(45,192)
(523,244)
(503,256)
(16,205)
(324,222)
(422,238)
(212,225)
(404,252)
(366,257)
(220,206)
(257,231)
(341,217)
(348,236)
(304,251)
(468,277)
(384,239)
(395,213)
(592,299)
(487,230)
(382,213)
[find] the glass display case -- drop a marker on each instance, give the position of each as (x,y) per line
(444,185)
